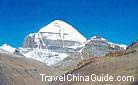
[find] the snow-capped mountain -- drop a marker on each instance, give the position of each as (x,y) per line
(98,46)
(7,48)
(57,33)
(113,45)
(53,43)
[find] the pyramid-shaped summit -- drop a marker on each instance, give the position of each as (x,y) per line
(60,30)
(56,34)
(53,43)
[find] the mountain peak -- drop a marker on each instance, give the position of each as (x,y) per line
(59,21)
(56,24)
(8,48)
(5,45)
(64,30)
(98,38)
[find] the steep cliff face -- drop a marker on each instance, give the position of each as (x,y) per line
(97,46)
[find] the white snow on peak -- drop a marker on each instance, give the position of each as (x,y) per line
(110,43)
(60,30)
(8,48)
(31,34)
(94,37)
(120,45)
(98,37)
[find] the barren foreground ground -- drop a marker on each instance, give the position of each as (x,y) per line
(126,65)
(21,71)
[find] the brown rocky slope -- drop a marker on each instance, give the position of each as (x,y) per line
(16,70)
(125,64)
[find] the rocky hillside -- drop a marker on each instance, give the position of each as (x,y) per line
(133,45)
(95,47)
(124,64)
(98,46)
(16,70)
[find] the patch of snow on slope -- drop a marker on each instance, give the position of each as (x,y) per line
(98,38)
(48,57)
(55,59)
(120,45)
(8,48)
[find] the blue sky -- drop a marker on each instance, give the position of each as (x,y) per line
(116,20)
